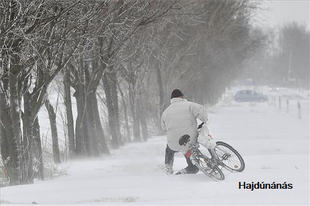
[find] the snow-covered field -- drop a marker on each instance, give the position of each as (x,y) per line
(274,144)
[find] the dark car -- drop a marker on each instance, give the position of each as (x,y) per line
(250,96)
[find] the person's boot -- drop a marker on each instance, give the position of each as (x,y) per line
(181,172)
(169,169)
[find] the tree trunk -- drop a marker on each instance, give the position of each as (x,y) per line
(4,143)
(36,134)
(161,94)
(135,117)
(82,128)
(127,135)
(8,145)
(53,124)
(68,104)
(136,128)
(91,124)
(102,143)
(114,93)
(28,172)
(15,169)
(112,121)
(80,102)
(86,136)
(143,120)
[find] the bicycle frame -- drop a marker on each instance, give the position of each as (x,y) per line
(215,162)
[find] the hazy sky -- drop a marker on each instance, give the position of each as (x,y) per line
(279,12)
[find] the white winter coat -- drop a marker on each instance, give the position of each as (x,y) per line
(180,118)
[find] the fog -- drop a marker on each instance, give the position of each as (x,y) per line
(90,79)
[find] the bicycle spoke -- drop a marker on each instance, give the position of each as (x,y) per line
(230,158)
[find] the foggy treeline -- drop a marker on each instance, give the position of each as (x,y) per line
(131,52)
(283,61)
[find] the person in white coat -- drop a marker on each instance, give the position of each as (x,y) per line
(178,119)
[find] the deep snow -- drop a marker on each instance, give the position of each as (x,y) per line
(274,144)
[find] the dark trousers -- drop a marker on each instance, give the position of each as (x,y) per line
(169,158)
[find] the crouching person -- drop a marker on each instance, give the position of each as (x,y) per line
(178,119)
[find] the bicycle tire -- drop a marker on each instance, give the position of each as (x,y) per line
(212,171)
(229,157)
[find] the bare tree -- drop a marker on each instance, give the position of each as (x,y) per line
(34,49)
(52,117)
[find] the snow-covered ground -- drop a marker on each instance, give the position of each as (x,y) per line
(274,144)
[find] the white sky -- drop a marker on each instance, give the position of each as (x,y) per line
(278,12)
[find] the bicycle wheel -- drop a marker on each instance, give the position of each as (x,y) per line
(208,168)
(230,158)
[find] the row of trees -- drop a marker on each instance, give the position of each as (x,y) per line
(289,64)
(284,61)
(132,51)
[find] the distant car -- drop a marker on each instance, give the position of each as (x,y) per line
(250,96)
(274,89)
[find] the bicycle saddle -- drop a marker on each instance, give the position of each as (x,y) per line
(184,140)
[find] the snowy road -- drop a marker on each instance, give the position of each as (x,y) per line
(275,147)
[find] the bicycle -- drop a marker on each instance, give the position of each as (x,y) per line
(223,156)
